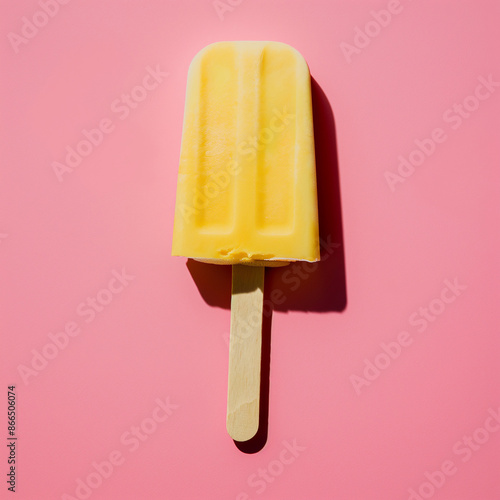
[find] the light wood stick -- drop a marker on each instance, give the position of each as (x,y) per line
(245,343)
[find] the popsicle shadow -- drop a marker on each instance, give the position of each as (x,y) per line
(302,286)
(319,287)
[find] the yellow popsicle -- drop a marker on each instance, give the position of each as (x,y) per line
(246,188)
(246,191)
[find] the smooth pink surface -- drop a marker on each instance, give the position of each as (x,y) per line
(163,335)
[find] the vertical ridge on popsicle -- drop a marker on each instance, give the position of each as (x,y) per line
(278,124)
(216,136)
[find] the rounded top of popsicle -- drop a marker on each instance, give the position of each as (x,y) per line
(239,46)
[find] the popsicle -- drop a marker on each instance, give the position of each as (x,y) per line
(246,191)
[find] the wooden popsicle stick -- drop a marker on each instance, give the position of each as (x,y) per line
(245,342)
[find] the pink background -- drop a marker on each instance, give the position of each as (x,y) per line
(163,335)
